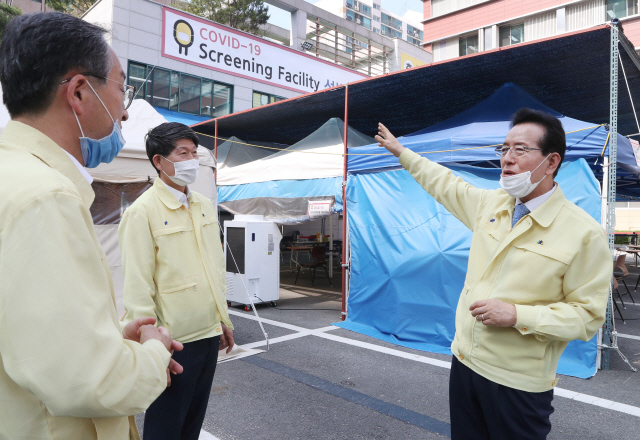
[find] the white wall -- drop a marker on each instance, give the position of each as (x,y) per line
(136,35)
(584,15)
(540,26)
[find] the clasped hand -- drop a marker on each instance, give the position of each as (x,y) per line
(143,329)
(494,312)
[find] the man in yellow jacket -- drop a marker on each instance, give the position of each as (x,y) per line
(68,369)
(174,270)
(538,277)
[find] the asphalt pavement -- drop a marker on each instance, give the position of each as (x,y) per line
(318,381)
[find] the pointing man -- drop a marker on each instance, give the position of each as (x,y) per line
(538,277)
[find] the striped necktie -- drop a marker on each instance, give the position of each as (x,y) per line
(520,211)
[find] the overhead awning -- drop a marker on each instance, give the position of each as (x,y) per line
(569,73)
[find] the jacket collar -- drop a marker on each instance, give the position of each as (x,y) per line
(45,149)
(165,195)
(548,211)
(545,213)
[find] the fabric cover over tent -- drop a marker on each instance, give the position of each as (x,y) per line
(280,186)
(409,258)
(234,151)
(472,136)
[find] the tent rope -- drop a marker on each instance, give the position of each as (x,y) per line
(377,154)
(604,147)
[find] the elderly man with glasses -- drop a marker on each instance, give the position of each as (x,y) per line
(68,368)
(538,277)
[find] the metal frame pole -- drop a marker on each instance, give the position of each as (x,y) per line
(345,263)
(609,334)
(611,184)
(215,152)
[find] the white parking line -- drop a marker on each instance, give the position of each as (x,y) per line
(622,335)
(321,333)
(204,435)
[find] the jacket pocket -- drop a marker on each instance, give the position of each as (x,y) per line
(186,305)
(546,251)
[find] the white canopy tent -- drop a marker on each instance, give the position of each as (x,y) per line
(318,156)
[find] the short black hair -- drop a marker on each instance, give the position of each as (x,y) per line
(554,139)
(38,49)
(163,138)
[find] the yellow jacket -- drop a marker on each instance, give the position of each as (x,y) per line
(173,264)
(65,371)
(554,266)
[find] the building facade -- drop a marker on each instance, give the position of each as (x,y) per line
(454,28)
(191,69)
(217,70)
(369,14)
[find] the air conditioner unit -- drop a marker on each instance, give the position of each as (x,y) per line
(358,21)
(252,260)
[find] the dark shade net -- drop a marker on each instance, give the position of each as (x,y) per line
(569,74)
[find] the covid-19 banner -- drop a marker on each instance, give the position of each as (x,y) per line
(210,45)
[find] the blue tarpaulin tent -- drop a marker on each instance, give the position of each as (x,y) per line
(408,265)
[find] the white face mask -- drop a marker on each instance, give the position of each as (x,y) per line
(186,171)
(520,185)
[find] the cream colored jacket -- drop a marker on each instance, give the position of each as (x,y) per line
(65,371)
(554,266)
(173,264)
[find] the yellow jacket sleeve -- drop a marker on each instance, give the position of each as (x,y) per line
(586,290)
(138,265)
(458,197)
(59,333)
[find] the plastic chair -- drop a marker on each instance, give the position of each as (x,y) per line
(319,257)
(615,304)
(619,264)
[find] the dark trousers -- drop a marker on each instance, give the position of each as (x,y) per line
(482,409)
(179,411)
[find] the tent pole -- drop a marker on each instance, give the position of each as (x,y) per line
(609,334)
(607,339)
(344,205)
(215,152)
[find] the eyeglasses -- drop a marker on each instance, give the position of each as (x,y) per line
(515,151)
(129,91)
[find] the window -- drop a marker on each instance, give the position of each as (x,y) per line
(414,35)
(376,30)
(180,92)
(359,19)
(620,8)
(511,35)
(468,44)
(190,87)
(376,18)
(391,22)
(390,32)
(260,98)
(359,6)
(376,6)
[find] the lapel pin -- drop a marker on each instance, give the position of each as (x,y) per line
(540,242)
(165,223)
(492,220)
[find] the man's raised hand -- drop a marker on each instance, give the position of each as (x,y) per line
(387,140)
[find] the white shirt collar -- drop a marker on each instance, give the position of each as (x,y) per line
(82,169)
(535,203)
(182,197)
